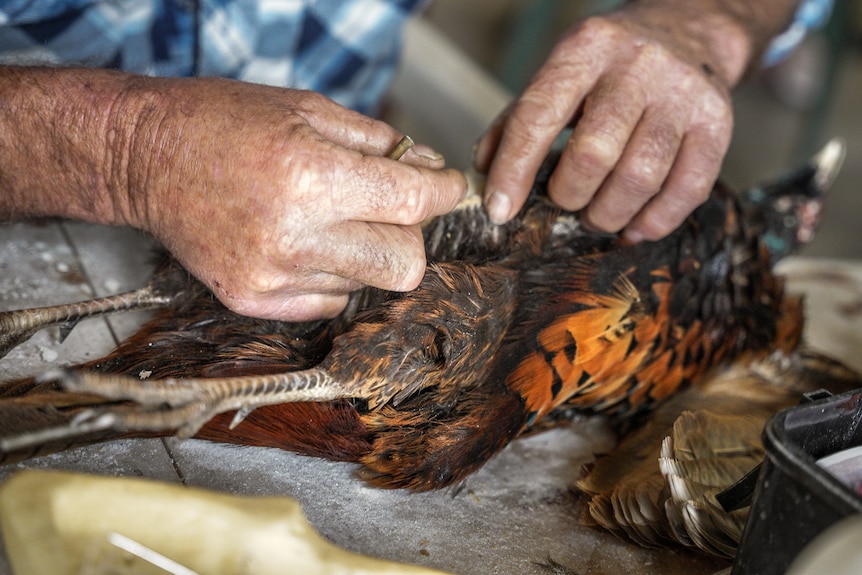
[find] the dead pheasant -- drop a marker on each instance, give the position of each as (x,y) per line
(512,328)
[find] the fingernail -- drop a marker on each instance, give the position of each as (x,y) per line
(632,236)
(427,152)
(498,205)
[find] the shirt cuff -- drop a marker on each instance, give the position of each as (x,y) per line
(810,15)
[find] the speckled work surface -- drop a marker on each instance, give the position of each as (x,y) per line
(518,515)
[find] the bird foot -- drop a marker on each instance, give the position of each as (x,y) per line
(18,326)
(185,405)
(88,421)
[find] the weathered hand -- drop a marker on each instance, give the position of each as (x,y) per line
(280,200)
(652,119)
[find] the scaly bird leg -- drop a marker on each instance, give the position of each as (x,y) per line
(184,405)
(18,326)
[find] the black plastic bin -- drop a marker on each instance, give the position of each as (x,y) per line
(795,499)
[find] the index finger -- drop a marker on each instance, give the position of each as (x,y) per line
(388,192)
(545,108)
(529,133)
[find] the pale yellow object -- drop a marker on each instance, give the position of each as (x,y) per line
(70,524)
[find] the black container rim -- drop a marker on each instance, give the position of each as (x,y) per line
(786,452)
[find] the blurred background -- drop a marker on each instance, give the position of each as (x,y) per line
(782,114)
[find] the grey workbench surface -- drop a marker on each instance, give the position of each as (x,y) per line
(518,515)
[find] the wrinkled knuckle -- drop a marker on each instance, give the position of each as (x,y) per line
(648,168)
(716,111)
(600,146)
(662,141)
(642,182)
(539,111)
(595,153)
(258,283)
(660,57)
(293,157)
(311,102)
(564,194)
(697,183)
(654,55)
(285,248)
(406,203)
(296,132)
(700,190)
(420,199)
(380,264)
(292,256)
(414,205)
(597,28)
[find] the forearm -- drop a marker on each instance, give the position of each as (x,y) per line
(65,143)
(732,34)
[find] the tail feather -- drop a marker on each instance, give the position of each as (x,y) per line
(332,430)
(659,485)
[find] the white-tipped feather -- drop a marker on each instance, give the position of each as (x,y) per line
(661,483)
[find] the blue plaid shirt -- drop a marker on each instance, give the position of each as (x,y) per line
(810,15)
(346,49)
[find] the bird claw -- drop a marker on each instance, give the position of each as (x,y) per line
(240,415)
(88,421)
(9,340)
(65,329)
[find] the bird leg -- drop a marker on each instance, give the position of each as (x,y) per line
(184,405)
(18,326)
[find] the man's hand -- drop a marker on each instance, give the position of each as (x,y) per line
(280,201)
(647,91)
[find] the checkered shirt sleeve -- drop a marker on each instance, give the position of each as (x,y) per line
(346,49)
(810,15)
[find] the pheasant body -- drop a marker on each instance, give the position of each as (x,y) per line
(511,326)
